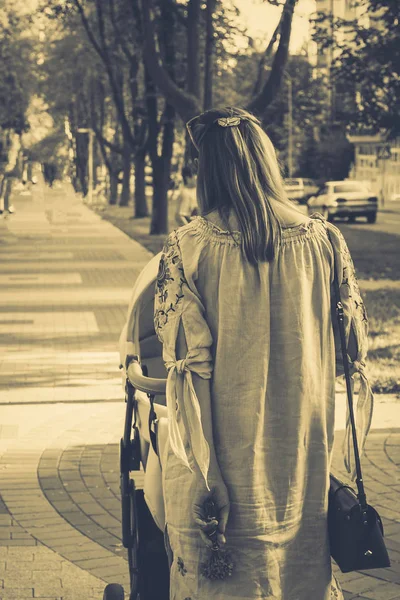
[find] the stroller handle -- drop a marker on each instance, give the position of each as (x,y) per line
(149,385)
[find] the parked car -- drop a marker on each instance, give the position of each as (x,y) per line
(299,189)
(344,199)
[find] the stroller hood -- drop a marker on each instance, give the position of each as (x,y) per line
(139,323)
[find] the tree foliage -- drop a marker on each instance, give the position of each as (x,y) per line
(188,101)
(366,63)
(328,158)
(307,97)
(127,68)
(17,80)
(16,69)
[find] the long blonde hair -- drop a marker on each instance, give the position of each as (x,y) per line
(238,169)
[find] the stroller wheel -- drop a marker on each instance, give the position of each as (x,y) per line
(113,591)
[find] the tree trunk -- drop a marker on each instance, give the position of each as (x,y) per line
(81,162)
(271,87)
(186,104)
(193,47)
(161,175)
(97,162)
(161,167)
(162,164)
(113,198)
(209,55)
(263,65)
(141,209)
(159,213)
(159,216)
(126,176)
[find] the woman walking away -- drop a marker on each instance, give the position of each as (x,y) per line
(244,312)
(187,202)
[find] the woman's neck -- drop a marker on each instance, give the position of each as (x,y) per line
(288,216)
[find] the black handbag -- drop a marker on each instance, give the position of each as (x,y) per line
(355,528)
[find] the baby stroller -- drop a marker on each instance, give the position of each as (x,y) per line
(141,447)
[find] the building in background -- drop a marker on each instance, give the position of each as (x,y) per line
(377,162)
(376,159)
(338,97)
(334,9)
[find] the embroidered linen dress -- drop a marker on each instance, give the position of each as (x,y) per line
(263,336)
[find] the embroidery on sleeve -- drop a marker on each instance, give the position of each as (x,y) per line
(351,281)
(181,566)
(349,276)
(167,302)
(336,589)
(361,306)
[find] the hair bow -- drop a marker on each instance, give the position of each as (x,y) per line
(229,121)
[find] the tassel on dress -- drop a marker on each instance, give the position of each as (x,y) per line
(220,564)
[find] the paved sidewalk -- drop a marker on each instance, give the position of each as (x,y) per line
(67,276)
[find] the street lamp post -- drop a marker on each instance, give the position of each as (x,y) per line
(290,124)
(331,89)
(90,161)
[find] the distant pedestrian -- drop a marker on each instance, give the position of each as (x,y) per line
(49,173)
(243,308)
(45,169)
(7,181)
(187,198)
(29,170)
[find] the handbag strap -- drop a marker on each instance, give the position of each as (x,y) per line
(340,319)
(152,423)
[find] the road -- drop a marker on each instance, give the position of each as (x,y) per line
(388,221)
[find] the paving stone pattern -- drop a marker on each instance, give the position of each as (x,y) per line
(66,283)
(62,411)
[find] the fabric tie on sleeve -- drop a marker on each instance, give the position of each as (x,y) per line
(363,416)
(198,361)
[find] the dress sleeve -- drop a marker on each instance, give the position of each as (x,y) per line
(178,302)
(356,328)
